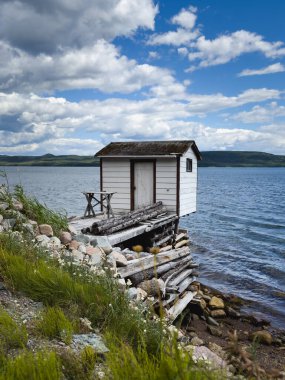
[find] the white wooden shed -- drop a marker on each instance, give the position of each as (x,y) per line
(142,173)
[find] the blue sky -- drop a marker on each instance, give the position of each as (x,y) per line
(75,75)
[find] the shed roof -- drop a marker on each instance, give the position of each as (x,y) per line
(148,148)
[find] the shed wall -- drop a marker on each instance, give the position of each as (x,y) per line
(166,182)
(188,184)
(116,178)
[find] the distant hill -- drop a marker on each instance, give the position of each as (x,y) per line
(236,158)
(49,160)
(219,158)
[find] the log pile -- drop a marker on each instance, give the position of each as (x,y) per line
(112,225)
(167,276)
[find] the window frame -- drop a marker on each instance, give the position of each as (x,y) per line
(189,165)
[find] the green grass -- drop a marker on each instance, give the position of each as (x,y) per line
(34,210)
(29,366)
(12,335)
(96,297)
(53,324)
(171,363)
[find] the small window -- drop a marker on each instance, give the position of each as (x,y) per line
(188,165)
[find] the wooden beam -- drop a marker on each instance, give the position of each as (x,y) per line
(180,305)
(152,261)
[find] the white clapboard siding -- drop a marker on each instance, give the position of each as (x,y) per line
(116,178)
(166,182)
(188,184)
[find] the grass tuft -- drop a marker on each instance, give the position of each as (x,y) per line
(11,334)
(53,324)
(29,366)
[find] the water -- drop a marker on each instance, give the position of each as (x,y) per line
(238,232)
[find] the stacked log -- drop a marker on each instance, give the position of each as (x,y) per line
(173,270)
(109,226)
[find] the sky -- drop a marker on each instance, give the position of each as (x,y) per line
(78,74)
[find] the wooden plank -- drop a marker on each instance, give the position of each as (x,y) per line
(180,236)
(176,280)
(182,243)
(167,248)
(180,305)
(153,261)
(185,283)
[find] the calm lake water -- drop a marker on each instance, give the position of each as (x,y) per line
(238,232)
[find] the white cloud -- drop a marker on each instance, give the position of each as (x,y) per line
(45,26)
(185,32)
(99,66)
(271,69)
(40,122)
(186,18)
(260,114)
(228,47)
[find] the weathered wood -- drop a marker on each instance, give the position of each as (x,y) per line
(129,214)
(185,283)
(180,277)
(168,230)
(131,222)
(152,261)
(180,237)
(170,299)
(135,216)
(162,222)
(180,305)
(167,248)
(182,243)
(164,240)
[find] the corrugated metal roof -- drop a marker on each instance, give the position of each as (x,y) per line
(148,148)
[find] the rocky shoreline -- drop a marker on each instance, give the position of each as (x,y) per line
(213,326)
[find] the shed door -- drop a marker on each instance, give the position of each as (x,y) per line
(143,184)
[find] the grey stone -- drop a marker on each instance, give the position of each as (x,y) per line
(8,224)
(46,229)
(1,218)
(196,341)
(81,238)
(2,286)
(1,228)
(28,228)
(42,240)
(97,259)
(82,248)
(80,341)
(122,284)
(132,293)
(120,259)
(141,294)
(54,242)
(102,242)
(211,321)
(214,331)
(4,205)
(203,353)
(233,313)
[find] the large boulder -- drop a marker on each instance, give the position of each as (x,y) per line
(216,303)
(46,229)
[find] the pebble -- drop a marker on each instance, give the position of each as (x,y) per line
(218,313)
(216,303)
(120,259)
(196,341)
(214,331)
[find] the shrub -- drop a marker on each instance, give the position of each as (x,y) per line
(78,366)
(54,324)
(33,209)
(11,335)
(29,366)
